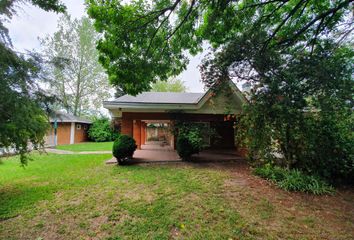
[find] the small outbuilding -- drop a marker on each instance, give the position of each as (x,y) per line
(67,129)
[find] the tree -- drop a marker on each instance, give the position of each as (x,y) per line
(300,106)
(172,85)
(22,101)
(147,41)
(79,80)
(297,54)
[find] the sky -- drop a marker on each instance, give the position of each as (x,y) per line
(32,23)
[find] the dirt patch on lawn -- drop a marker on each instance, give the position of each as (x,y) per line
(280,214)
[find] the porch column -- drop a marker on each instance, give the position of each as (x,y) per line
(127,127)
(137,132)
(143,133)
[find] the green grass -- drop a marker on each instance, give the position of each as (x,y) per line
(87,146)
(70,192)
(79,197)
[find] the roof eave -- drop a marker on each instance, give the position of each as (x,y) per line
(70,121)
(160,106)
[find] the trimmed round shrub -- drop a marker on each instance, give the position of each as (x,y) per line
(189,144)
(123,148)
(184,148)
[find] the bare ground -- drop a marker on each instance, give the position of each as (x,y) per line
(278,214)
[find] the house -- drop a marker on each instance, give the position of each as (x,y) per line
(69,129)
(216,109)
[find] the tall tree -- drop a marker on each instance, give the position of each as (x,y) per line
(300,105)
(296,53)
(171,85)
(22,118)
(79,80)
(146,41)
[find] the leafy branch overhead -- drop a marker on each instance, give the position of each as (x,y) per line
(146,41)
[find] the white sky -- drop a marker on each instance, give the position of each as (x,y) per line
(32,23)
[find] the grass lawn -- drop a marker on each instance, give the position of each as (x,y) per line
(79,197)
(87,146)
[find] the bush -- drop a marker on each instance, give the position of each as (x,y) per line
(101,131)
(184,148)
(294,180)
(328,149)
(123,148)
(189,143)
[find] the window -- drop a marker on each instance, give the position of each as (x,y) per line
(78,126)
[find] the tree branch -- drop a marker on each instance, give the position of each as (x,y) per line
(292,13)
(313,21)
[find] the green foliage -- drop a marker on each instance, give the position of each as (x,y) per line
(171,85)
(294,53)
(102,131)
(22,118)
(328,146)
(300,108)
(187,146)
(134,51)
(146,41)
(189,139)
(73,71)
(294,180)
(123,148)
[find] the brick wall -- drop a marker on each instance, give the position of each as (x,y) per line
(137,132)
(64,132)
(81,132)
(143,132)
(127,127)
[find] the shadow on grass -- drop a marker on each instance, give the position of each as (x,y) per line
(15,199)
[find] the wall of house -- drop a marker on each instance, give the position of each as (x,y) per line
(64,134)
(81,132)
(223,102)
(131,123)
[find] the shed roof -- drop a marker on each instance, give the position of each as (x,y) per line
(65,117)
(161,97)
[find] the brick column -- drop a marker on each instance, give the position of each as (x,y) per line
(143,133)
(127,127)
(137,132)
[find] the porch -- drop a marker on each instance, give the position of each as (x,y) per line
(147,128)
(154,152)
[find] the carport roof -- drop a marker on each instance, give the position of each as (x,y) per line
(161,98)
